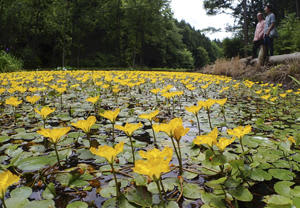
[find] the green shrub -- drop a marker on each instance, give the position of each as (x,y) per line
(9,63)
(187,60)
(289,35)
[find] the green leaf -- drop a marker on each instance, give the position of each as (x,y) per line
(36,163)
(4,138)
(258,174)
(213,200)
(77,204)
(108,191)
(283,188)
(21,193)
(278,200)
(140,180)
(296,202)
(282,174)
(41,204)
(296,191)
(216,183)
(49,192)
(74,180)
(140,196)
(241,194)
(16,203)
(189,175)
(192,191)
(123,203)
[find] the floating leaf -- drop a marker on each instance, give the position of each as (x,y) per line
(242,194)
(140,196)
(283,188)
(77,204)
(36,163)
(282,174)
(192,191)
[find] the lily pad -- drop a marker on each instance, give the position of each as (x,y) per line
(140,196)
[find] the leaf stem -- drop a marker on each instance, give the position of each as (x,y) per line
(209,121)
(198,124)
(3,202)
(159,190)
(153,132)
(180,168)
(132,149)
(180,158)
(57,156)
(116,181)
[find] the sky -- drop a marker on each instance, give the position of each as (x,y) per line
(193,12)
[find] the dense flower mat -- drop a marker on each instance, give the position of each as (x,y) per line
(147,139)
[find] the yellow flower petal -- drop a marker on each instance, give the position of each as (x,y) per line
(7,179)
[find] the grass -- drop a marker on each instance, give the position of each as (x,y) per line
(274,74)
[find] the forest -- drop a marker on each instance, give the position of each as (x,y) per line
(117,104)
(131,33)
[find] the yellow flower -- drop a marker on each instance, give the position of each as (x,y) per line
(292,140)
(179,132)
(13,101)
(33,99)
(207,103)
(258,92)
(111,115)
(169,127)
(129,128)
(149,116)
(45,111)
(266,97)
(224,142)
(2,90)
(105,86)
(61,90)
(223,89)
(205,86)
(7,179)
(156,127)
(54,135)
(267,90)
(166,153)
(109,153)
(193,109)
(116,90)
(239,131)
(168,95)
(156,163)
(221,102)
(209,139)
(85,125)
(93,99)
(283,95)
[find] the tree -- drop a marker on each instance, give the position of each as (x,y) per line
(202,58)
(233,47)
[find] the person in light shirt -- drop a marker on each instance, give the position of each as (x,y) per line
(259,34)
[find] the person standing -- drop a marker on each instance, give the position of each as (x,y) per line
(269,30)
(259,35)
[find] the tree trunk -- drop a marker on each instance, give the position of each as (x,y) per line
(298,8)
(119,44)
(245,26)
(280,59)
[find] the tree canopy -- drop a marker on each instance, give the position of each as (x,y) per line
(102,33)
